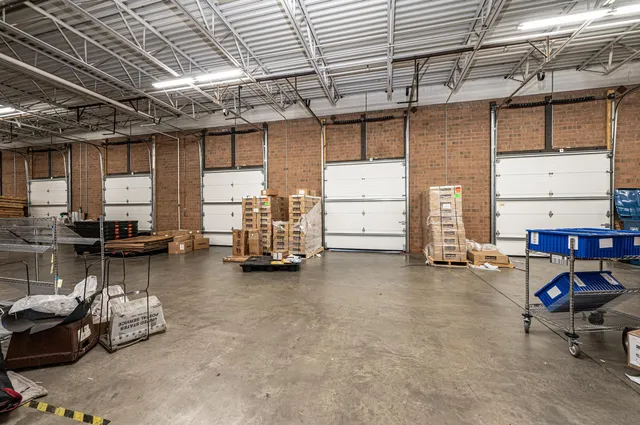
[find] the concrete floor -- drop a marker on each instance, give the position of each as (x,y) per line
(351,339)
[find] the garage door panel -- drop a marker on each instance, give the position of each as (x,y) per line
(374,217)
(222,217)
(562,176)
(221,239)
(48,211)
(549,191)
(140,213)
(549,214)
(365,205)
(130,189)
(231,186)
(382,243)
(48,192)
(369,180)
(222,194)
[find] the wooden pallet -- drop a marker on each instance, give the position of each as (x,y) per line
(310,254)
(233,259)
(501,265)
(446,263)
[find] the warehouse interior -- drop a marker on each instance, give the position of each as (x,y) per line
(319,211)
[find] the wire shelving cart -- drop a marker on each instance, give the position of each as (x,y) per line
(605,318)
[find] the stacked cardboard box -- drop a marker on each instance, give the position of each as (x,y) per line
(271,208)
(185,240)
(443,228)
(281,237)
(251,213)
(305,223)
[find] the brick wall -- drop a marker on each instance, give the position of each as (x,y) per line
(385,139)
(521,129)
(450,145)
(295,156)
(455,153)
(13,184)
(580,124)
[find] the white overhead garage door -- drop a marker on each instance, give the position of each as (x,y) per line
(547,191)
(129,197)
(48,197)
(365,205)
(222,192)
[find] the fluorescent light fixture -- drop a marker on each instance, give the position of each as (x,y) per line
(220,76)
(563,20)
(6,111)
(626,10)
(173,83)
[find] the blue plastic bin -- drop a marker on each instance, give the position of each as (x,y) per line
(631,225)
(588,243)
(555,294)
(627,203)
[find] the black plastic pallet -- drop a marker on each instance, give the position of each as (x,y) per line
(263,264)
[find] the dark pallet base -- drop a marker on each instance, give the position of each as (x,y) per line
(447,263)
(263,264)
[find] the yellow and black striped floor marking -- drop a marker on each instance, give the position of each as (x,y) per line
(67,413)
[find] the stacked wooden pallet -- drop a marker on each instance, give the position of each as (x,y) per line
(12,207)
(139,244)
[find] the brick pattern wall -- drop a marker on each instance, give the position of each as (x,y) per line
(385,139)
(453,153)
(84,157)
(520,129)
(140,157)
(13,184)
(580,124)
(217,152)
(248,149)
(343,141)
(628,143)
(295,156)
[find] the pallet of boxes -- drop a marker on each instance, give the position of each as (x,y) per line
(185,241)
(443,229)
(305,224)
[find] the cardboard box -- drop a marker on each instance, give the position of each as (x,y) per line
(240,247)
(493,257)
(200,243)
(255,243)
(633,338)
(307,192)
(196,234)
(181,247)
(182,238)
(269,192)
(171,232)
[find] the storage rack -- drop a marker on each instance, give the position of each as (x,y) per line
(616,320)
(37,236)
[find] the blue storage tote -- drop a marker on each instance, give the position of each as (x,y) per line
(627,203)
(631,225)
(588,243)
(555,294)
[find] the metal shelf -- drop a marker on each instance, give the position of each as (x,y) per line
(613,320)
(610,318)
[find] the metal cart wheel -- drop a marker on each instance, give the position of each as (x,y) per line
(596,318)
(574,349)
(625,341)
(527,325)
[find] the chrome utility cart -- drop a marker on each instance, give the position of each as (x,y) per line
(595,297)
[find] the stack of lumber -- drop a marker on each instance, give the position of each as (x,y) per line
(140,244)
(12,207)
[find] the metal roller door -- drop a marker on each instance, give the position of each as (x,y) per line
(550,191)
(48,197)
(365,205)
(129,197)
(222,193)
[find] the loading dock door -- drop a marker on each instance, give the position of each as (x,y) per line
(129,197)
(48,197)
(365,205)
(549,191)
(222,192)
